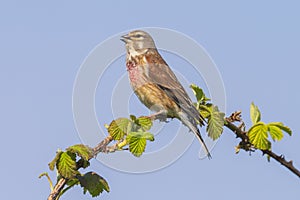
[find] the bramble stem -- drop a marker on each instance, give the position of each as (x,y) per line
(279,158)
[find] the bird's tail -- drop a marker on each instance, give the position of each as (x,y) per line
(192,125)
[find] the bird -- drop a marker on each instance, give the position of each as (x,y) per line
(156,85)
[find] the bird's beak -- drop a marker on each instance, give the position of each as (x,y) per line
(125,38)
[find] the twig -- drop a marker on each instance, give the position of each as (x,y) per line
(59,186)
(101,147)
(283,161)
(243,136)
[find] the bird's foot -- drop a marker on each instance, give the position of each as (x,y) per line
(161,116)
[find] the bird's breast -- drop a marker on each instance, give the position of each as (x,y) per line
(133,72)
(137,71)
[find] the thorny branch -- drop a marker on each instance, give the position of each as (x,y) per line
(247,146)
(237,130)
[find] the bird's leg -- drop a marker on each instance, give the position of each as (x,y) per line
(160,115)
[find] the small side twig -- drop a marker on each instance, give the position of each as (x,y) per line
(101,147)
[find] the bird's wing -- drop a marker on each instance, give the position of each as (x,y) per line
(160,73)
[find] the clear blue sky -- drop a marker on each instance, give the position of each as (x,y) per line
(255,45)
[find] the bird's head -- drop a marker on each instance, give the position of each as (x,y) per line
(138,42)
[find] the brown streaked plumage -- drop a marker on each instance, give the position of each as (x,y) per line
(156,85)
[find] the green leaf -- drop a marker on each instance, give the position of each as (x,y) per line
(282,127)
(66,165)
(148,136)
(83,163)
(137,142)
(144,122)
(215,123)
(254,113)
(72,182)
(119,127)
(53,162)
(198,92)
(258,136)
(275,132)
(205,110)
(93,183)
(82,151)
(137,145)
(132,117)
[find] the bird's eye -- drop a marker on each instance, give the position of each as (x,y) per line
(138,35)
